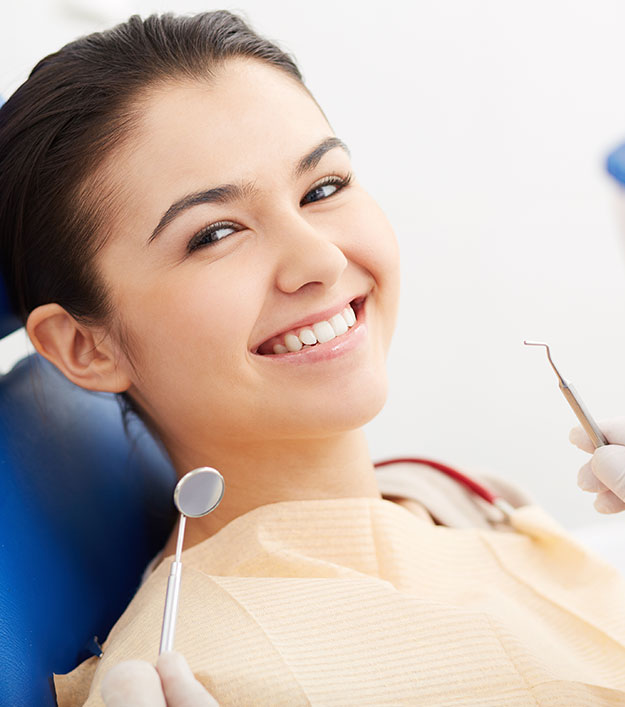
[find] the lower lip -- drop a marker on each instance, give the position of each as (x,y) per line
(342,344)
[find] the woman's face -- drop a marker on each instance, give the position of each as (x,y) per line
(201,279)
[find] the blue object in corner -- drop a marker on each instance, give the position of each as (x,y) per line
(615,164)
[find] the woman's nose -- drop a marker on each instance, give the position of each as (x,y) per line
(307,254)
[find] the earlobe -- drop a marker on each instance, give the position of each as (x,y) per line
(83,354)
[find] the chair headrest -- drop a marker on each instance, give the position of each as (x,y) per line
(83,508)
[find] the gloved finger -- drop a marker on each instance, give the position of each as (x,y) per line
(132,683)
(607,502)
(587,481)
(579,438)
(613,428)
(608,465)
(180,686)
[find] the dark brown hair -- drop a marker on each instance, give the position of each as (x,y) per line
(59,126)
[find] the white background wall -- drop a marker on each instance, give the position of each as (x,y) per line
(481,127)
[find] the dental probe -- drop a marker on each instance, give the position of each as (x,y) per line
(573,399)
(197,493)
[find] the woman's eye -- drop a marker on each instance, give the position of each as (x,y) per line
(217,231)
(326,188)
(211,234)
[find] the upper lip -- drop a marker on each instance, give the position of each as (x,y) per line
(324,314)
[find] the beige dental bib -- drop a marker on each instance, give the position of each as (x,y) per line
(359,601)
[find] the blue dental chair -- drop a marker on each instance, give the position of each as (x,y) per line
(83,508)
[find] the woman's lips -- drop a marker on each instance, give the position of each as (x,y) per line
(266,348)
(355,335)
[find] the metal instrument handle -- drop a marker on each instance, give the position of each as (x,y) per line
(171,608)
(581,411)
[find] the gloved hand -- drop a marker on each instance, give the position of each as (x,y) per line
(137,683)
(605,472)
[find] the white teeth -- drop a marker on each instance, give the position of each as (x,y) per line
(319,332)
(307,336)
(349,316)
(323,331)
(292,342)
(338,324)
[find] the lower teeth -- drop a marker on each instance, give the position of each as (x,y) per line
(283,349)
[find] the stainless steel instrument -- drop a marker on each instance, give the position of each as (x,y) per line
(197,493)
(577,404)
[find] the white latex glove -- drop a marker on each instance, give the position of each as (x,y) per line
(137,683)
(604,474)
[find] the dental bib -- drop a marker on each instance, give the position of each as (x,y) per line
(363,601)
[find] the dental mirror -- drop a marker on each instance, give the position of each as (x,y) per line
(196,494)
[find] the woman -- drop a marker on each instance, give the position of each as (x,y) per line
(181,226)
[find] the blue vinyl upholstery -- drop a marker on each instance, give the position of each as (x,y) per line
(83,508)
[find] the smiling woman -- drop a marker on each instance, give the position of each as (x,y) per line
(290,251)
(181,226)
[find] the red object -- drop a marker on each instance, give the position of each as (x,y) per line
(450,471)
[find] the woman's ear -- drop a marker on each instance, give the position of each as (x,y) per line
(83,354)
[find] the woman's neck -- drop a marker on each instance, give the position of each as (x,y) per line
(289,470)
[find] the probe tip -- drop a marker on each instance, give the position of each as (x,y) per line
(535,343)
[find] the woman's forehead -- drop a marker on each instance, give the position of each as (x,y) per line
(249,109)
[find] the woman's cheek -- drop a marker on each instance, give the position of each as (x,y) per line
(383,262)
(376,246)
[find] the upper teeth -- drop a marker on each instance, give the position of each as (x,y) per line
(320,332)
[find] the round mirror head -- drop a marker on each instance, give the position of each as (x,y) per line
(199,492)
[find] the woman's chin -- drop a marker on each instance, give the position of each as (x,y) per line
(347,408)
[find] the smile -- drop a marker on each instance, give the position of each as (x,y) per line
(317,335)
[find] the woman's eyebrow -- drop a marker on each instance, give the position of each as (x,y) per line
(230,192)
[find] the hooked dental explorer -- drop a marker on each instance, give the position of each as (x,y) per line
(197,493)
(592,430)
